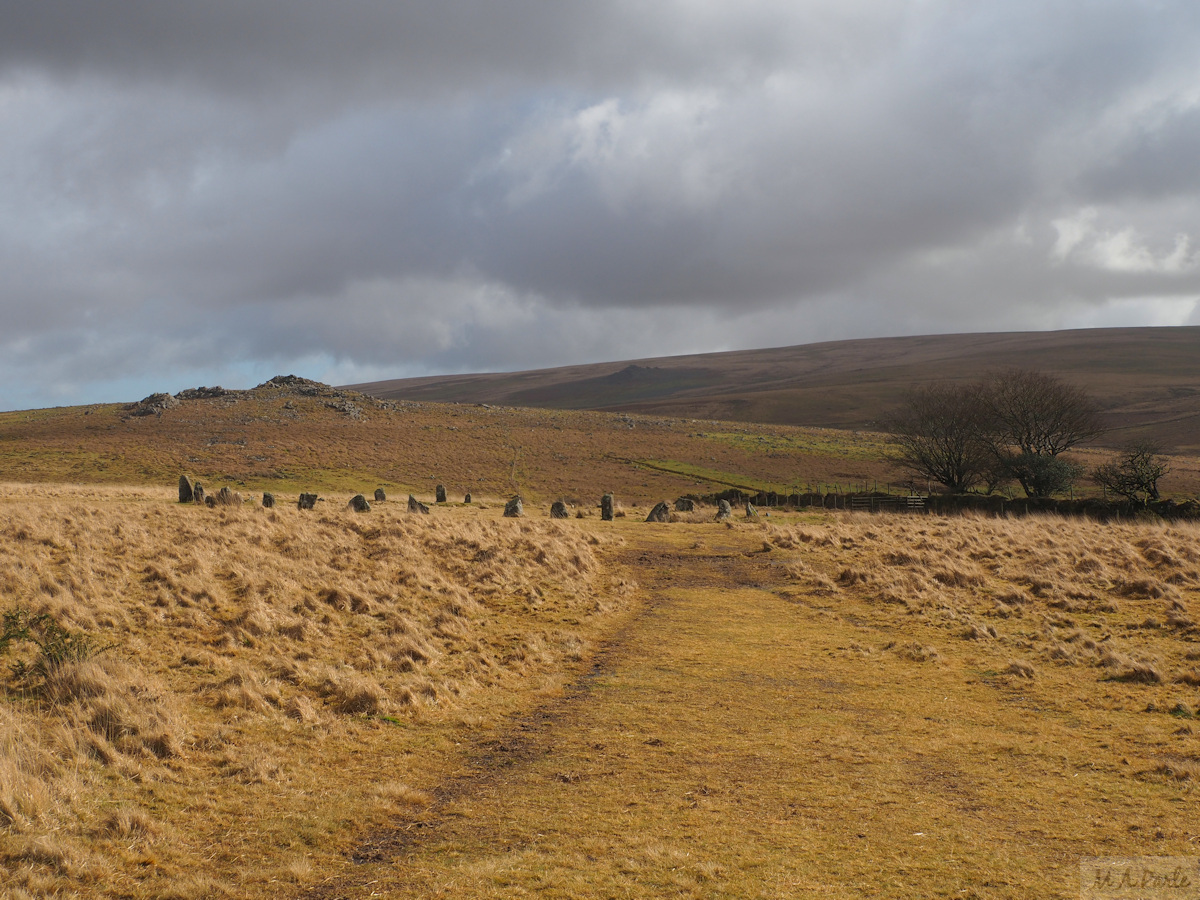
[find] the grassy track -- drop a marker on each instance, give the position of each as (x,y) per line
(743,739)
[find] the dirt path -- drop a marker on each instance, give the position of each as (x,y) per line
(736,740)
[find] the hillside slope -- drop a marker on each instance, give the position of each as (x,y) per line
(289,435)
(1146,379)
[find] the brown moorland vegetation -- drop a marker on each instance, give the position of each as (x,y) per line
(291,435)
(342,704)
(845,706)
(303,436)
(245,690)
(1147,380)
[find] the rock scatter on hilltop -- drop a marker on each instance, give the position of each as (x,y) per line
(350,403)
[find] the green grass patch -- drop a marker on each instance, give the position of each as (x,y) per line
(715,477)
(295,479)
(809,442)
(720,479)
(37,464)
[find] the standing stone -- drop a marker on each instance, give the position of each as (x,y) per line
(226,497)
(558,510)
(751,512)
(660,513)
(359,503)
(685,504)
(724,510)
(467,498)
(198,492)
(440,493)
(210,500)
(268,500)
(514,508)
(307,501)
(380,496)
(185,490)
(606,507)
(416,506)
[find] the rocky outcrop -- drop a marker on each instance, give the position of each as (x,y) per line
(294,384)
(342,405)
(202,393)
(154,405)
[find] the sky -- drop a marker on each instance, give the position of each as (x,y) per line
(219,192)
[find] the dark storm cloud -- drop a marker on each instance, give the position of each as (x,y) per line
(416,47)
(195,191)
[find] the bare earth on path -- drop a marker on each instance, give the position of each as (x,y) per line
(788,716)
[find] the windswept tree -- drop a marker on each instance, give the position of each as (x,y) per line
(939,433)
(1135,472)
(1013,425)
(1032,418)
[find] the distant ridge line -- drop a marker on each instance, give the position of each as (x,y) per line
(1144,378)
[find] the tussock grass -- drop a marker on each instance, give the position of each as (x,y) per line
(1021,668)
(244,661)
(811,720)
(270,686)
(1123,581)
(1179,768)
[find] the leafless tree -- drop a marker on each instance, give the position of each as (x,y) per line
(939,435)
(1032,418)
(1135,472)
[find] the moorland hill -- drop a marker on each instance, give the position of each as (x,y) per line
(289,435)
(1147,380)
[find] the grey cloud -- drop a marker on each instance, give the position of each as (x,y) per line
(418,47)
(504,185)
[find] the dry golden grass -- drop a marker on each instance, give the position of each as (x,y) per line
(265,684)
(805,704)
(846,706)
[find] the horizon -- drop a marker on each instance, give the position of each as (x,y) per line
(248,385)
